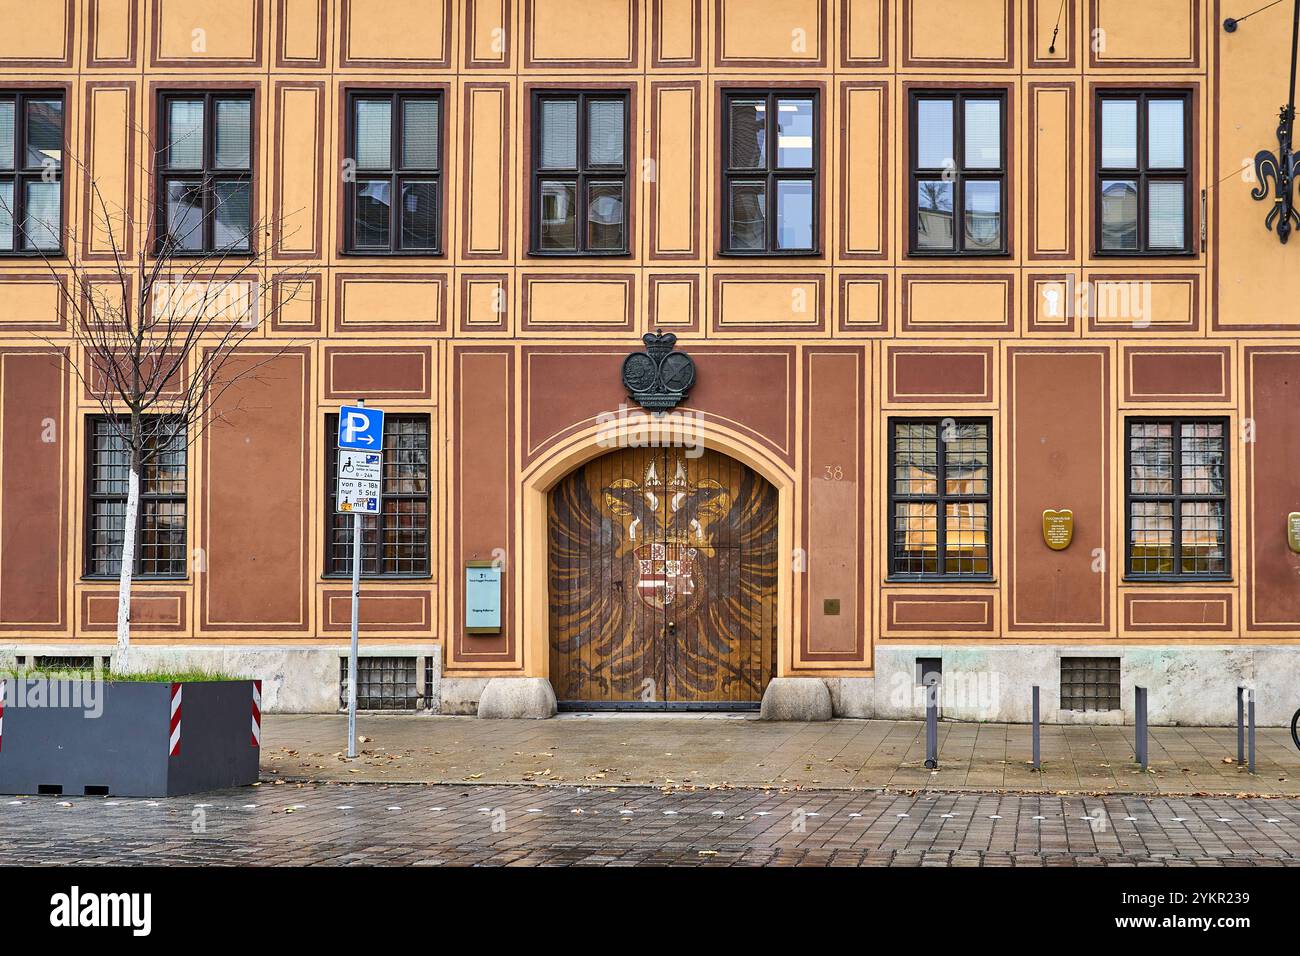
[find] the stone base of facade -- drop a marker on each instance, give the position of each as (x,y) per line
(796,698)
(1188,685)
(517,698)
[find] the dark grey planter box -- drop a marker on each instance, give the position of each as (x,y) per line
(52,742)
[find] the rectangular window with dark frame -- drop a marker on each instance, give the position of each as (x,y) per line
(394,543)
(205,173)
(393,201)
(1143,173)
(31,173)
(580,181)
(1177,498)
(940,498)
(160,550)
(770,194)
(958,175)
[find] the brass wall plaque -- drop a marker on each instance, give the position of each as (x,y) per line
(1293,531)
(1058,528)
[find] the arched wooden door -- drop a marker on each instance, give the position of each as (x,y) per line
(662,582)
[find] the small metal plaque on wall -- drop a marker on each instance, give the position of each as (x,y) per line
(482,598)
(1058,528)
(1293,531)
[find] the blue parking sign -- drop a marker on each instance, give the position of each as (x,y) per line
(361,429)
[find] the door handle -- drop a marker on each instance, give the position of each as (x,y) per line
(672,625)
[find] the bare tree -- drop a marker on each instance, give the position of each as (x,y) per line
(150,334)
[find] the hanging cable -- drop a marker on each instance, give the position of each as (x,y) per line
(1051,47)
(1230,24)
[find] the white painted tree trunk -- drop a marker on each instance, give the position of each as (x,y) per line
(122,664)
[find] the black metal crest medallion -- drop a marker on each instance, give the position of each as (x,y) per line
(658,378)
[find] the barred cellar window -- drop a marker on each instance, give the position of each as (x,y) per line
(1143,173)
(579,181)
(1177,498)
(394,543)
(161,519)
(393,204)
(205,172)
(769,173)
(940,467)
(958,174)
(31,173)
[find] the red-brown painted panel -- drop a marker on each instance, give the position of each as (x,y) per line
(482,478)
(834,522)
(33,511)
(257,470)
(378,373)
(929,374)
(1059,457)
(750,389)
(1167,375)
(1272,464)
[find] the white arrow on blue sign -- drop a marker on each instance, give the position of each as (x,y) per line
(360,428)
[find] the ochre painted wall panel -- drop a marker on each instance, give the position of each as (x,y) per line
(676,206)
(397,34)
(258,471)
(198,32)
(35,449)
(485,194)
(986,36)
(864,171)
(112,28)
(609,35)
(1052,201)
(752,33)
(1151,34)
(1059,455)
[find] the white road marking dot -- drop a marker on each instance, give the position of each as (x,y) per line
(901,815)
(1130,819)
(394,808)
(1040,818)
(250,806)
(626,813)
(1177,820)
(1222,820)
(854,815)
(1272,820)
(763,813)
(530,809)
(342,808)
(670,813)
(994,816)
(946,816)
(717,813)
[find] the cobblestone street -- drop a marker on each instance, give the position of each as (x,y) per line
(339,824)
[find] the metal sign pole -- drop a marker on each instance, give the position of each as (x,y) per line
(356,603)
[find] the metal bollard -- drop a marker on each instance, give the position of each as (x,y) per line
(1038,754)
(1250,716)
(1140,726)
(1241,726)
(932,725)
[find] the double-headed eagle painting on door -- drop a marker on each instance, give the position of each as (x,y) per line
(663,575)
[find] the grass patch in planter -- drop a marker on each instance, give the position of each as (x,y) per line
(151,734)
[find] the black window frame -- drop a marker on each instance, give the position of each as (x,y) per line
(941,498)
(958,175)
(770,173)
(20,175)
(583,175)
(208,175)
(376,534)
(1177,497)
(91,497)
(1143,174)
(397,174)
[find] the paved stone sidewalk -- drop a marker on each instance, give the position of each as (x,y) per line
(709,750)
(333,824)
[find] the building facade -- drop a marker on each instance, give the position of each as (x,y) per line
(994,367)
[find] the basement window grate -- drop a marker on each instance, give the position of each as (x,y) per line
(428,683)
(65,663)
(383,683)
(1090,683)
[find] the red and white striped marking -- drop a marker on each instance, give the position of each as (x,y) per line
(176,721)
(257,713)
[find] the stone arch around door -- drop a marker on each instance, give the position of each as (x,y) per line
(729,460)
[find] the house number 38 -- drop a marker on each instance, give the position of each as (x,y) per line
(833,472)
